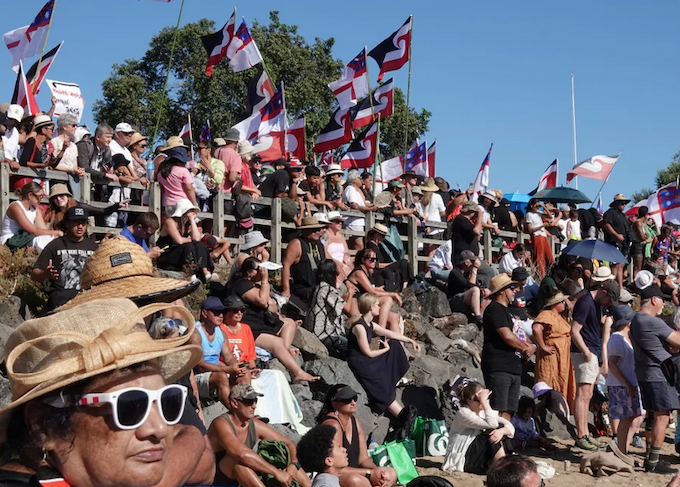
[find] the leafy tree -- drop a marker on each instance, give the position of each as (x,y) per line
(670,173)
(643,194)
(134,91)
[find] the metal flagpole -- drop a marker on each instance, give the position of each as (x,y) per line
(573,123)
(370,93)
(47,34)
(167,76)
(377,158)
(610,173)
(557,179)
(408,92)
(191,138)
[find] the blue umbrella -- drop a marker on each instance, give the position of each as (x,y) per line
(517,197)
(595,250)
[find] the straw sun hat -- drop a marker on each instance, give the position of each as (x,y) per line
(557,298)
(121,269)
(46,354)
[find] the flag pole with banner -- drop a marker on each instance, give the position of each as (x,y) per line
(47,34)
(573,124)
(191,138)
(408,90)
(377,163)
(607,178)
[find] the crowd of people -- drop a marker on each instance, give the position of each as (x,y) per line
(569,321)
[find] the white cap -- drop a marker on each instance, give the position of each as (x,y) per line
(643,280)
(124,127)
(335,215)
(80,133)
(321,217)
(15,112)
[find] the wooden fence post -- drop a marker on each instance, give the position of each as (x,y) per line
(370,221)
(86,193)
(488,250)
(155,206)
(4,189)
(218,214)
(276,230)
(412,244)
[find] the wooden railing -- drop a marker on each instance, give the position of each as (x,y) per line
(220,219)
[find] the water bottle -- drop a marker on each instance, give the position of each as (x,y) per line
(149,169)
(372,446)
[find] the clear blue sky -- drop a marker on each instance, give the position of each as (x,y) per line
(492,71)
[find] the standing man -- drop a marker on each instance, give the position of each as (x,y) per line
(367,186)
(586,350)
(640,239)
(94,154)
(10,140)
(503,352)
(63,259)
(650,337)
(617,232)
(354,198)
(232,161)
(121,138)
(466,229)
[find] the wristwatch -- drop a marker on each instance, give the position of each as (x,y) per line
(296,465)
(367,474)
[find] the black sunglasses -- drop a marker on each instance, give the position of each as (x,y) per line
(248,402)
(237,310)
(348,401)
(371,259)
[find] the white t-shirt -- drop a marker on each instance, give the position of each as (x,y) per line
(116,148)
(352,195)
(433,212)
(574,230)
(10,142)
(617,346)
(535,220)
(442,257)
(508,263)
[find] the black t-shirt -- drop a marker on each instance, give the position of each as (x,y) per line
(256,179)
(446,197)
(619,223)
(68,258)
(498,356)
(31,153)
(458,283)
(254,315)
(502,218)
(587,220)
(333,191)
(277,182)
(588,313)
(518,307)
(313,190)
(463,236)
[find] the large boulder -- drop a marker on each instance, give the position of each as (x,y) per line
(5,332)
(310,410)
(5,392)
(468,332)
(409,301)
(213,411)
(434,303)
(274,364)
(287,432)
(449,323)
(379,433)
(438,340)
(10,315)
(301,391)
(310,346)
(430,371)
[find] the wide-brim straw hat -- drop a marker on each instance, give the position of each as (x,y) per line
(309,223)
(136,138)
(619,198)
(334,169)
(122,269)
(380,228)
(602,274)
(46,354)
(172,142)
(490,196)
(383,199)
(59,189)
(557,298)
(181,207)
(500,282)
(253,239)
(42,120)
(429,186)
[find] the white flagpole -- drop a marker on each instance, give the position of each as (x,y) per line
(557,179)
(191,139)
(573,123)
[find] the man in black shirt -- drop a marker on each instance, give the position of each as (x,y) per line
(502,352)
(618,232)
(466,229)
(464,293)
(280,183)
(63,259)
(314,188)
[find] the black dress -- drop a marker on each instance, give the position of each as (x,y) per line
(377,375)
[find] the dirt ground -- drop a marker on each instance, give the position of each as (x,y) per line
(571,478)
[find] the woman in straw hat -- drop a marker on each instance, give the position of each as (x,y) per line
(93,400)
(433,206)
(61,200)
(552,333)
(173,175)
(23,225)
(35,148)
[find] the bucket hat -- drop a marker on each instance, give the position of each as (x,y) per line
(253,239)
(309,223)
(59,189)
(181,207)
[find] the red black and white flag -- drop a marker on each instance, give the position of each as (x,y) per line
(353,84)
(548,179)
(23,95)
(34,78)
(327,158)
(416,159)
(217,43)
(337,132)
(361,152)
(271,118)
(260,91)
(431,159)
(27,41)
(392,53)
(295,139)
(383,105)
(243,52)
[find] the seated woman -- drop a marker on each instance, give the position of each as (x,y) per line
(23,225)
(271,331)
(61,200)
(329,307)
(378,371)
(180,239)
(478,434)
(338,411)
(395,272)
(366,279)
(254,245)
(336,244)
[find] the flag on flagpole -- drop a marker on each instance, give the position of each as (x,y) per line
(243,52)
(353,84)
(337,132)
(28,41)
(548,179)
(383,105)
(260,91)
(387,171)
(271,118)
(217,43)
(416,159)
(23,95)
(361,152)
(663,205)
(295,139)
(596,167)
(431,157)
(34,78)
(186,130)
(205,132)
(392,53)
(482,179)
(327,158)
(600,208)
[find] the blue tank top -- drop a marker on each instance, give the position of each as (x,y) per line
(211,350)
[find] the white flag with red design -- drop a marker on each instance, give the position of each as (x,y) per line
(295,139)
(596,167)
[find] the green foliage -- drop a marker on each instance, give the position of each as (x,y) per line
(670,173)
(134,91)
(15,279)
(643,194)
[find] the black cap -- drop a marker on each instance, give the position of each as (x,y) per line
(119,160)
(213,303)
(613,291)
(653,291)
(76,213)
(233,302)
(520,274)
(344,394)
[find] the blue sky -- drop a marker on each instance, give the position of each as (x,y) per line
(489,71)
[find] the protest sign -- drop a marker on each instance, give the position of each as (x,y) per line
(69,99)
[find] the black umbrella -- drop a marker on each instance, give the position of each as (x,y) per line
(562,194)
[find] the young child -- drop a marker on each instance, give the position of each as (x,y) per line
(321,451)
(526,435)
(573,226)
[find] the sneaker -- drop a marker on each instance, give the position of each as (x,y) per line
(662,467)
(637,442)
(584,444)
(671,424)
(593,441)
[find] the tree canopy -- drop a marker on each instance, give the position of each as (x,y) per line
(134,91)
